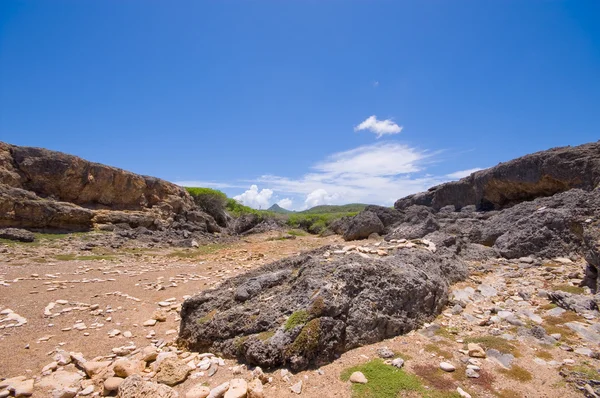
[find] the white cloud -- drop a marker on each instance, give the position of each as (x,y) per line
(255,198)
(379,127)
(207,184)
(462,173)
(286,203)
(380,173)
(319,197)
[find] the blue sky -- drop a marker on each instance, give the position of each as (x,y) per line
(233,94)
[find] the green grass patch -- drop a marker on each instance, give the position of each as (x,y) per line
(387,381)
(197,252)
(296,319)
(330,209)
(72,257)
(435,349)
(494,342)
(569,289)
(307,341)
(449,332)
(543,354)
(208,317)
(297,232)
(518,373)
(587,371)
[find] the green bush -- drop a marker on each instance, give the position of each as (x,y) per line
(211,201)
(315,223)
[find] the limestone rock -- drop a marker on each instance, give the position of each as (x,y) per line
(198,391)
(255,389)
(358,377)
(172,371)
(135,387)
(238,388)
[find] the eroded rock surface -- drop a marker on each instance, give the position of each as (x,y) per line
(305,310)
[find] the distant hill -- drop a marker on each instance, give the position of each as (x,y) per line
(326,209)
(278,209)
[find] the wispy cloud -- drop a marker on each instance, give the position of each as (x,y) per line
(379,127)
(379,173)
(208,184)
(462,173)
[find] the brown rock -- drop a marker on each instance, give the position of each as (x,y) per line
(135,387)
(172,371)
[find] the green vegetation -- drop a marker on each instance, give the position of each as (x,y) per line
(586,370)
(308,340)
(71,257)
(208,317)
(315,223)
(386,381)
(197,252)
(332,209)
(296,319)
(517,373)
(493,342)
(569,289)
(266,335)
(435,348)
(297,232)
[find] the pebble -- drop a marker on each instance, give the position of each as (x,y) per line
(447,367)
(358,377)
(238,388)
(297,388)
(398,362)
(198,391)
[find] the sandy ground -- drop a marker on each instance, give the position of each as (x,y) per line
(126,286)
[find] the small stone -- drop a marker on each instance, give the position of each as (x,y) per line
(159,316)
(255,389)
(447,367)
(385,352)
(198,391)
(297,388)
(67,392)
(238,388)
(398,362)
(87,391)
(127,334)
(125,368)
(149,353)
(112,383)
(219,390)
(172,371)
(472,373)
(150,322)
(92,368)
(22,388)
(462,393)
(475,350)
(358,377)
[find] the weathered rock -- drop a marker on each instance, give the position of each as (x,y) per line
(447,367)
(19,235)
(198,391)
(135,387)
(93,368)
(255,389)
(297,388)
(112,384)
(536,175)
(475,350)
(362,225)
(573,302)
(125,368)
(219,391)
(358,301)
(238,388)
(172,371)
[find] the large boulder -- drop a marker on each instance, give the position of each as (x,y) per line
(304,311)
(362,225)
(16,234)
(536,175)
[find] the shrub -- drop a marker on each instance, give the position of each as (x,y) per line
(211,202)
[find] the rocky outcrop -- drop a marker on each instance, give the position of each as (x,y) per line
(48,190)
(536,175)
(362,225)
(305,310)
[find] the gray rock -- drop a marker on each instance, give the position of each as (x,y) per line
(19,235)
(362,225)
(398,362)
(335,306)
(505,360)
(573,302)
(385,352)
(135,387)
